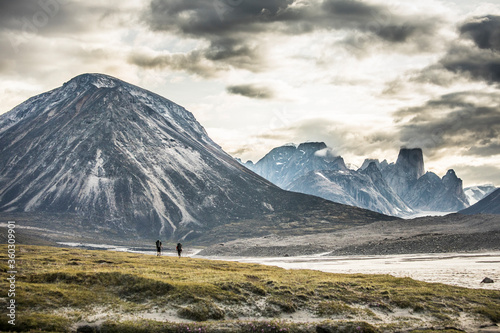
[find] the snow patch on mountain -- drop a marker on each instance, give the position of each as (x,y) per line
(478,192)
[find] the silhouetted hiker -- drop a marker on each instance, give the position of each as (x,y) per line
(158,248)
(179,249)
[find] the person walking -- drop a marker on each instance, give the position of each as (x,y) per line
(179,249)
(158,248)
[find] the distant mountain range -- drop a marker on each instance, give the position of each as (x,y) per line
(477,193)
(400,189)
(489,205)
(127,162)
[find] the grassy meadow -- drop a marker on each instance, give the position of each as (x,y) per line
(69,290)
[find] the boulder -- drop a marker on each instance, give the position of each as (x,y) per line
(487,280)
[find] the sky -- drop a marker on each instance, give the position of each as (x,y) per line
(365,77)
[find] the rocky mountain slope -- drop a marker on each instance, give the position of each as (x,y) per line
(420,190)
(403,175)
(366,189)
(124,160)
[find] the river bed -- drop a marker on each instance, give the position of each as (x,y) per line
(459,269)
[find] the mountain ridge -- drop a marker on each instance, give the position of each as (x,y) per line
(401,189)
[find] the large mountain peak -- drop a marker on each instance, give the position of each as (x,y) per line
(454,186)
(100,146)
(450,176)
(372,170)
(411,162)
(452,183)
(311,146)
(408,169)
(96,79)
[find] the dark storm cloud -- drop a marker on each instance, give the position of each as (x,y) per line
(236,53)
(484,62)
(476,63)
(378,20)
(213,18)
(475,56)
(251,91)
(469,120)
(484,31)
(233,28)
(228,26)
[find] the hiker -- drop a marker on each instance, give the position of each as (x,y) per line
(179,249)
(158,248)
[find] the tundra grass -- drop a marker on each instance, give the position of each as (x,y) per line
(61,289)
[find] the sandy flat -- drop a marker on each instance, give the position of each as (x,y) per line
(459,269)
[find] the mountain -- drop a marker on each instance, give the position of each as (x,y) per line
(283,165)
(312,168)
(424,191)
(380,165)
(476,193)
(488,205)
(403,175)
(122,160)
(431,193)
(366,189)
(400,189)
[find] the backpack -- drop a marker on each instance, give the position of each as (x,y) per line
(179,247)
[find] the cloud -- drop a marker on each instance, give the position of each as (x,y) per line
(63,17)
(377,20)
(343,138)
(242,18)
(327,152)
(468,122)
(235,32)
(473,62)
(479,61)
(213,18)
(45,16)
(192,62)
(30,31)
(44,43)
(479,174)
(473,56)
(230,30)
(484,31)
(251,91)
